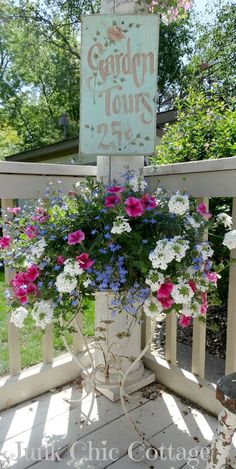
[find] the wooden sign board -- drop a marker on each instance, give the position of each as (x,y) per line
(118,84)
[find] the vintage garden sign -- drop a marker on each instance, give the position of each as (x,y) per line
(118,84)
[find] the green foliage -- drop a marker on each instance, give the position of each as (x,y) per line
(31,338)
(205,129)
(40,69)
(214,55)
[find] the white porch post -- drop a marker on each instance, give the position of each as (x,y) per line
(108,169)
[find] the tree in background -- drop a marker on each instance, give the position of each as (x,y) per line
(205,129)
(40,73)
(206,119)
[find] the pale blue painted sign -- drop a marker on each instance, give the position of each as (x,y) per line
(118,84)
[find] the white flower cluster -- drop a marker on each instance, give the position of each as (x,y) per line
(65,283)
(204,250)
(182,293)
(202,283)
(155,279)
(178,204)
(225,219)
(168,250)
(137,184)
(72,268)
(230,239)
(120,226)
(152,307)
(191,309)
(42,313)
(18,316)
(86,282)
(192,222)
(38,248)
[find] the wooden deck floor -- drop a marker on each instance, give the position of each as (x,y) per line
(34,433)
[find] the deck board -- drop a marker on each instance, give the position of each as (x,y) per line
(51,422)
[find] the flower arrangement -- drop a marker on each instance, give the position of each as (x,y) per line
(146,249)
(170,10)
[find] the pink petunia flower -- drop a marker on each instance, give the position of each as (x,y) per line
(212,277)
(32,273)
(41,215)
(133,207)
(115,189)
(166,302)
(112,200)
(60,260)
(204,304)
(14,210)
(75,237)
(31,231)
(32,289)
(165,290)
(202,210)
(84,261)
(21,294)
(185,321)
(192,285)
(5,242)
(148,202)
(19,280)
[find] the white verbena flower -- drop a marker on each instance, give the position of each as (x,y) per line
(86,282)
(192,309)
(204,249)
(65,283)
(72,267)
(38,248)
(18,316)
(42,313)
(192,222)
(225,219)
(182,293)
(152,307)
(154,280)
(230,239)
(179,247)
(121,225)
(137,184)
(178,204)
(168,250)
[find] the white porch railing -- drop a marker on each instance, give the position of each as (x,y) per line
(216,178)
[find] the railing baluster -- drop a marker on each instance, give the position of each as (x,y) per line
(230,366)
(13,331)
(171,338)
(199,328)
(146,331)
(78,343)
(47,343)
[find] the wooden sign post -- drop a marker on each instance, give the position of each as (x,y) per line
(118,121)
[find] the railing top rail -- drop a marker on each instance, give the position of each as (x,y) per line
(223,164)
(46,169)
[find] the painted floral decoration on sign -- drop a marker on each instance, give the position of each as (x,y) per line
(146,248)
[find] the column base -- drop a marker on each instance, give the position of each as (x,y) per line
(111,389)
